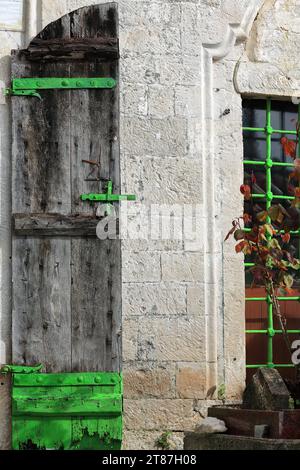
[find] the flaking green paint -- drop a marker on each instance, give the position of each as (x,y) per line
(72,411)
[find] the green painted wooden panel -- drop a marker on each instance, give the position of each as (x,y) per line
(67,411)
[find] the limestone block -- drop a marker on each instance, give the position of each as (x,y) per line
(156,137)
(178,70)
(129,339)
(139,69)
(191,380)
(153,39)
(161,101)
(267,78)
(148,383)
(165,180)
(188,101)
(141,266)
(147,440)
(149,14)
(196,299)
(154,299)
(182,267)
(172,181)
(134,99)
(159,414)
(172,339)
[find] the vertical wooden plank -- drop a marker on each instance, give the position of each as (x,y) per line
(114,326)
(41,183)
(41,303)
(90,304)
(95,349)
(41,147)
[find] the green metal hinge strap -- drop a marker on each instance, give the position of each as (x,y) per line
(13,369)
(30,86)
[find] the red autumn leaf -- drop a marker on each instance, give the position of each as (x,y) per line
(247,218)
(246,191)
(286,237)
(289,147)
(240,246)
(297,192)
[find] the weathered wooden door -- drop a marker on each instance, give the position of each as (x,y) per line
(66,282)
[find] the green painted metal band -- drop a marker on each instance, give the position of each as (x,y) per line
(263,129)
(31,86)
(275,332)
(261,299)
(61,83)
(13,369)
(269,196)
(257,162)
(68,379)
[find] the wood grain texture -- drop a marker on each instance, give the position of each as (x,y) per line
(72,49)
(66,282)
(41,303)
(54,225)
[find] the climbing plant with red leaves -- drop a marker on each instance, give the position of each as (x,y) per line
(268,237)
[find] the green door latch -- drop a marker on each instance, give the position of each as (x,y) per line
(13,369)
(30,86)
(108,196)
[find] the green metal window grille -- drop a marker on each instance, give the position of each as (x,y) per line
(268,133)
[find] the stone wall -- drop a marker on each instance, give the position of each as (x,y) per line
(181,143)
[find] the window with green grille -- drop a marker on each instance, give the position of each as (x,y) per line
(264,123)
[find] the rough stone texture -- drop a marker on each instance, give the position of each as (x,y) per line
(196,441)
(191,380)
(160,414)
(266,391)
(146,383)
(137,440)
(171,339)
(154,299)
(182,267)
(182,301)
(141,267)
(270,64)
(211,426)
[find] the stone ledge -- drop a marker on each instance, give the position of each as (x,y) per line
(196,441)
